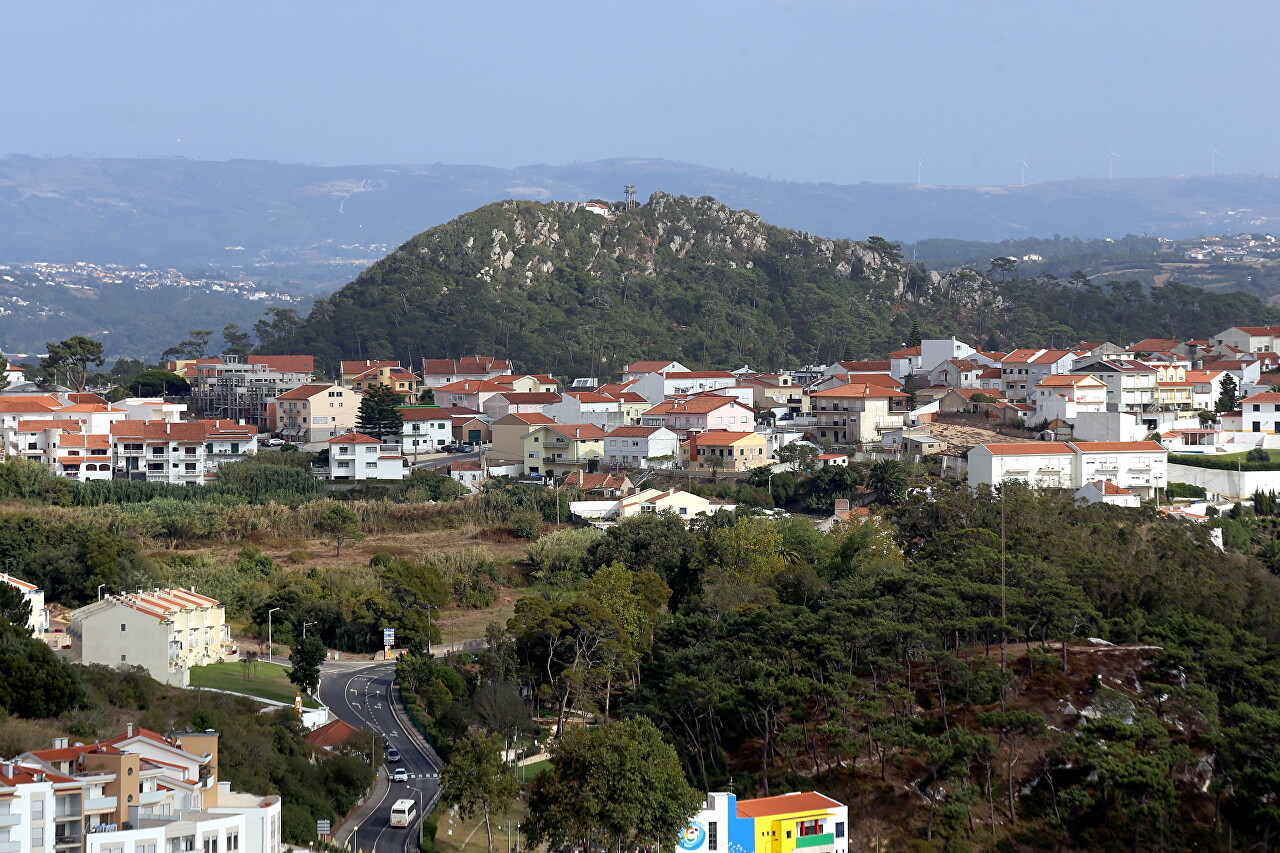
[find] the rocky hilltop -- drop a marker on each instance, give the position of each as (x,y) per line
(584,288)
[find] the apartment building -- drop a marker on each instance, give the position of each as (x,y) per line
(424,429)
(656,387)
(732,450)
(703,412)
(165,631)
(137,791)
(1022,369)
(356,456)
(1138,466)
(641,447)
(554,449)
(314,413)
(403,382)
(858,412)
(183,452)
(1131,385)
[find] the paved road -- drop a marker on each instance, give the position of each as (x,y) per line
(360,693)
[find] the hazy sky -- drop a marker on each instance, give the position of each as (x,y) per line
(816,91)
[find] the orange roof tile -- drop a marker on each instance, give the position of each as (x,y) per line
(286,363)
(809,801)
(353,438)
(306,392)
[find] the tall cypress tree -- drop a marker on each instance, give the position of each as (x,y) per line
(379,416)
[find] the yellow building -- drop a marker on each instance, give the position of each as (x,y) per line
(806,822)
(737,451)
(556,449)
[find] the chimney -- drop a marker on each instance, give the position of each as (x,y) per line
(577,432)
(842,504)
(128,732)
(59,743)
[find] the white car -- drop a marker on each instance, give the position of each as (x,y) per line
(400,775)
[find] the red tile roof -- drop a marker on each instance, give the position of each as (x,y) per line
(1118,446)
(286,363)
(857,389)
(632,432)
(333,733)
(545,398)
(353,438)
(699,405)
(866,366)
(810,801)
(422,413)
(584,432)
(350,368)
(1026,448)
(699,374)
(648,366)
(306,392)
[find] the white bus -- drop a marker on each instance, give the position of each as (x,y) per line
(403,812)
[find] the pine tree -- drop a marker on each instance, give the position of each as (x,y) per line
(1230,396)
(379,413)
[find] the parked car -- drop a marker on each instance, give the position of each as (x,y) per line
(467,448)
(400,775)
(450,448)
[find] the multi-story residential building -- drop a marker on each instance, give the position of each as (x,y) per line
(443,371)
(509,431)
(1022,369)
(841,367)
(165,631)
(1250,338)
(806,822)
(958,373)
(775,391)
(231,389)
(703,412)
(1140,467)
(470,473)
(138,791)
(38,621)
(312,414)
(1173,389)
(554,449)
(1206,388)
(589,407)
(356,456)
(83,457)
(1131,385)
(424,429)
(734,451)
(858,412)
(641,447)
(1063,396)
(656,387)
(184,452)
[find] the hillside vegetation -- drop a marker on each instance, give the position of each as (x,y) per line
(557,288)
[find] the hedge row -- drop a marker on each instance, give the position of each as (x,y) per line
(1220,463)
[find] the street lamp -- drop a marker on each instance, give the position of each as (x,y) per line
(430,607)
(270,647)
(100,586)
(304,628)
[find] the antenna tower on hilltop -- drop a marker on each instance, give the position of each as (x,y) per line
(630,192)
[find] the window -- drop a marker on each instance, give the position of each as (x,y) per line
(122,626)
(211,844)
(713,835)
(37,834)
(371,466)
(124,658)
(371,450)
(233,841)
(839,829)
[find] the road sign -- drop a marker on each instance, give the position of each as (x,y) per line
(388,636)
(322,827)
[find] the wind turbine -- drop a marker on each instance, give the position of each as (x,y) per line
(1023,163)
(1111,156)
(1213,161)
(920,168)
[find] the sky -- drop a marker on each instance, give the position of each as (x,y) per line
(842,91)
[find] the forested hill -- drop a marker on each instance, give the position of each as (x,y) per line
(559,288)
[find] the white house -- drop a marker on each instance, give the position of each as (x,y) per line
(958,373)
(789,823)
(165,631)
(1022,369)
(685,505)
(424,429)
(38,621)
(586,407)
(1131,385)
(469,472)
(637,369)
(639,446)
(1138,466)
(1250,338)
(656,387)
(356,456)
(703,412)
(935,352)
(1261,412)
(1063,396)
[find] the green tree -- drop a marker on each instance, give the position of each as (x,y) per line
(238,341)
(159,383)
(305,660)
(70,361)
(477,781)
(1229,396)
(276,324)
(4,378)
(15,607)
(802,456)
(889,479)
(339,524)
(379,414)
(618,786)
(35,684)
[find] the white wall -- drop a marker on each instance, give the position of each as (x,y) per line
(1233,485)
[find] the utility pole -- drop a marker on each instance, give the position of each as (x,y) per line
(270,647)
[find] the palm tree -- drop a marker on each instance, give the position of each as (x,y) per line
(1269,554)
(889,479)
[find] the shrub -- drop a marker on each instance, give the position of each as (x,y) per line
(300,556)
(564,551)
(527,524)
(1219,463)
(1184,490)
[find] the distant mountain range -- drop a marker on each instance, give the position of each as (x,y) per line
(319,225)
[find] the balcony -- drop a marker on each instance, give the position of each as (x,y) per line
(7,820)
(10,847)
(816,842)
(99,804)
(152,798)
